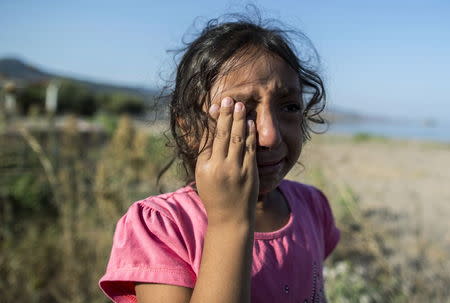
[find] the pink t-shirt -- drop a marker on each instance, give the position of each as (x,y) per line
(160,240)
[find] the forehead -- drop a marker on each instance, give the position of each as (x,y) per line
(256,75)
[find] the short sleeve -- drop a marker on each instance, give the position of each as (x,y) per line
(331,233)
(147,247)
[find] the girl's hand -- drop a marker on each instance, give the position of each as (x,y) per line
(226,173)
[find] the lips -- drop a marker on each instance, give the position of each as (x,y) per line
(270,168)
(270,163)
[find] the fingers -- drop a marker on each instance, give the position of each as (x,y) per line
(207,139)
(238,130)
(222,131)
(250,146)
(234,137)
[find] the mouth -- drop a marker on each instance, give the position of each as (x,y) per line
(270,167)
(270,163)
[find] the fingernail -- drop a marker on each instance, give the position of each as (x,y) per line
(250,124)
(227,102)
(238,107)
(214,108)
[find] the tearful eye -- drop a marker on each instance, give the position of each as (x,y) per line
(292,108)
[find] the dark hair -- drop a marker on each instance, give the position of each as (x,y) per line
(200,67)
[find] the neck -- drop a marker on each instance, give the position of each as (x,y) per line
(266,201)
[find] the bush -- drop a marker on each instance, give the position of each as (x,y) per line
(119,103)
(31,96)
(76,99)
(365,137)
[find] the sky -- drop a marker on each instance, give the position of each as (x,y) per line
(387,58)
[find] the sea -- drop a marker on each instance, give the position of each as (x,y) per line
(432,131)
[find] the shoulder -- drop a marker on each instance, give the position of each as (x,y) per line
(168,222)
(158,240)
(177,215)
(174,205)
(308,200)
(307,194)
(311,200)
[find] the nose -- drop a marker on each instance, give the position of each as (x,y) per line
(267,126)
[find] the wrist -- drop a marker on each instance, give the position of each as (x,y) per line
(238,226)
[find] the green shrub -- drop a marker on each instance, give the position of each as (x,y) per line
(32,95)
(346,284)
(365,137)
(77,99)
(108,121)
(119,103)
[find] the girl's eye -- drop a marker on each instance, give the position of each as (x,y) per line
(291,108)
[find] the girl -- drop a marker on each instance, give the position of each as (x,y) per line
(237,232)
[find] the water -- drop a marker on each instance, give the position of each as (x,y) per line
(403,130)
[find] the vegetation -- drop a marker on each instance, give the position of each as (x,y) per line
(77,99)
(365,137)
(59,203)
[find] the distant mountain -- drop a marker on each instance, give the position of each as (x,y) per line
(23,74)
(16,70)
(340,115)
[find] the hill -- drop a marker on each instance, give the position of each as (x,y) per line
(24,74)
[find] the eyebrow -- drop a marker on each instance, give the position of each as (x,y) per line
(245,97)
(287,91)
(280,93)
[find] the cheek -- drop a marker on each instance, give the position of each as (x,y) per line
(294,141)
(292,129)
(295,149)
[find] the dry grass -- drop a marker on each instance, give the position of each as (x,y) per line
(398,209)
(60,258)
(389,199)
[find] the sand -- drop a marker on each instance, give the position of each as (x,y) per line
(409,179)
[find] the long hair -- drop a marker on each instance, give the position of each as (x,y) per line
(201,64)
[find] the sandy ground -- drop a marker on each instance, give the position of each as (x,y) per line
(411,179)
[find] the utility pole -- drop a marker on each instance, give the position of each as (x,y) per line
(10,100)
(51,105)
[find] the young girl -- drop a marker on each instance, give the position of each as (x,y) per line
(238,232)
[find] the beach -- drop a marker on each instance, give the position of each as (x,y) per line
(408,177)
(405,183)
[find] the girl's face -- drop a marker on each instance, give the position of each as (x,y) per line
(271,92)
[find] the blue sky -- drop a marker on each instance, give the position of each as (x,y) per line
(382,57)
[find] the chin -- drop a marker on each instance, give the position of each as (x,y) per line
(268,184)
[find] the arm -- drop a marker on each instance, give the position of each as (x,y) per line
(227,182)
(224,273)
